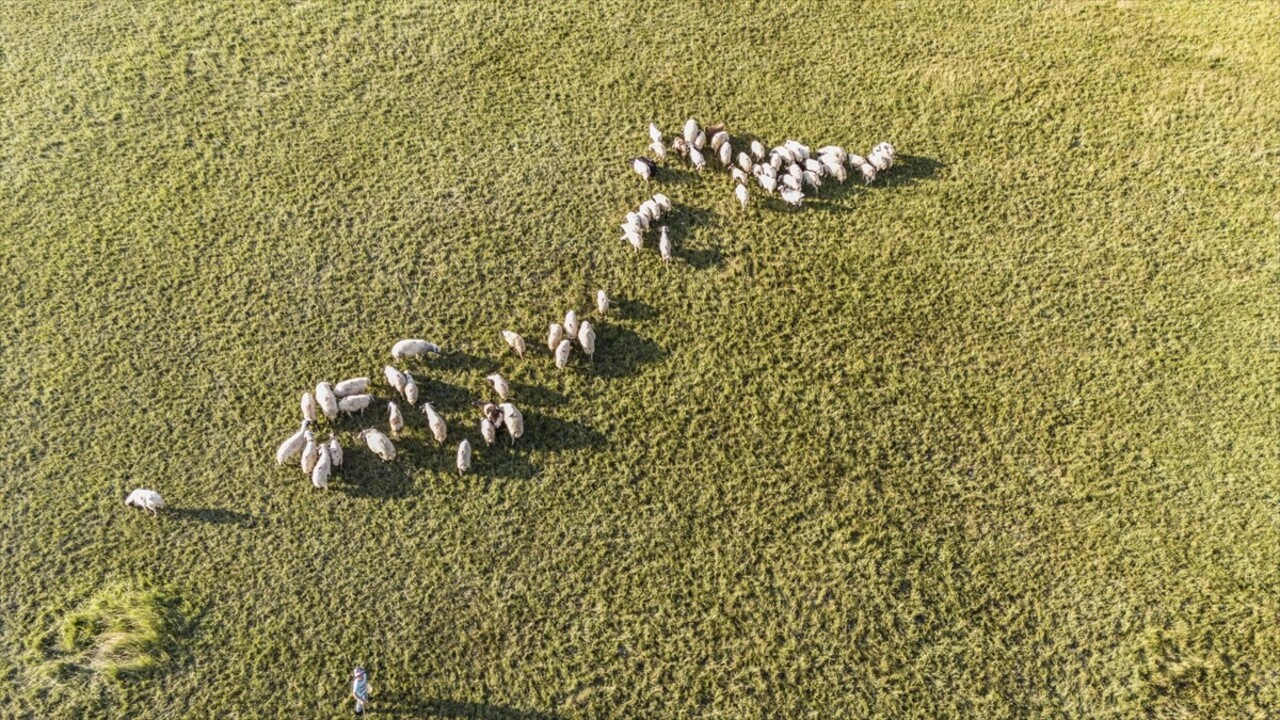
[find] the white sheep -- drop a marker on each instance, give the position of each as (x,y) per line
(744,162)
(413,348)
(768,184)
(740,192)
(335,451)
(438,427)
(655,135)
(395,419)
(555,333)
(562,353)
(726,155)
(514,341)
(700,141)
(310,453)
(464,456)
(644,167)
(145,499)
(488,431)
(394,377)
(719,140)
(659,150)
(292,445)
(571,324)
(696,157)
(868,172)
(327,401)
(351,386)
(663,201)
(380,444)
(513,421)
(793,197)
(834,151)
(324,466)
(587,339)
(355,403)
(690,130)
(757,150)
(664,245)
(602,301)
(500,385)
(410,389)
(308,407)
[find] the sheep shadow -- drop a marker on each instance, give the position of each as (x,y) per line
(907,170)
(681,222)
(537,396)
(444,397)
(634,309)
(364,475)
(545,432)
(409,706)
(620,351)
(461,360)
(214,516)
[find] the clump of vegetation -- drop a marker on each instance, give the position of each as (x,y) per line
(118,631)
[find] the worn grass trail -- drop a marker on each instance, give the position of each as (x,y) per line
(995,437)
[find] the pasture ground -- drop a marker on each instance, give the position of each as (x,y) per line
(995,437)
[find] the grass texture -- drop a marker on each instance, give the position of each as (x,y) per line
(994,437)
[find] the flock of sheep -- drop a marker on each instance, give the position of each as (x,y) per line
(789,169)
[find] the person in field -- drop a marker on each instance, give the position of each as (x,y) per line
(360,690)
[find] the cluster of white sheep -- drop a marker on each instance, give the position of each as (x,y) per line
(560,339)
(790,169)
(640,221)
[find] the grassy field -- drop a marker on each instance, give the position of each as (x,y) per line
(994,437)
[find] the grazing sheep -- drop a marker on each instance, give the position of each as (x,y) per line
(602,301)
(438,427)
(855,161)
(562,353)
(868,172)
(718,140)
(834,151)
(633,235)
(768,184)
(554,335)
(664,245)
(690,130)
(698,160)
(700,141)
(793,197)
(413,348)
(145,499)
(310,453)
(355,403)
(879,161)
(493,412)
(488,431)
(796,170)
(327,401)
(726,155)
(292,445)
(464,456)
(335,451)
(797,148)
(652,209)
(351,386)
(663,201)
(571,324)
(757,150)
(587,339)
(380,444)
(655,135)
(741,193)
(812,179)
(790,182)
(812,165)
(324,466)
(395,419)
(308,407)
(513,421)
(680,147)
(659,150)
(644,167)
(394,377)
(410,389)
(500,385)
(744,162)
(514,341)
(639,220)
(739,176)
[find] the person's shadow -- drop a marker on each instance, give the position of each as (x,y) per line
(407,706)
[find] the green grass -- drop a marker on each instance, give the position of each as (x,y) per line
(996,437)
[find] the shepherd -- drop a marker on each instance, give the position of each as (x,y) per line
(360,690)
